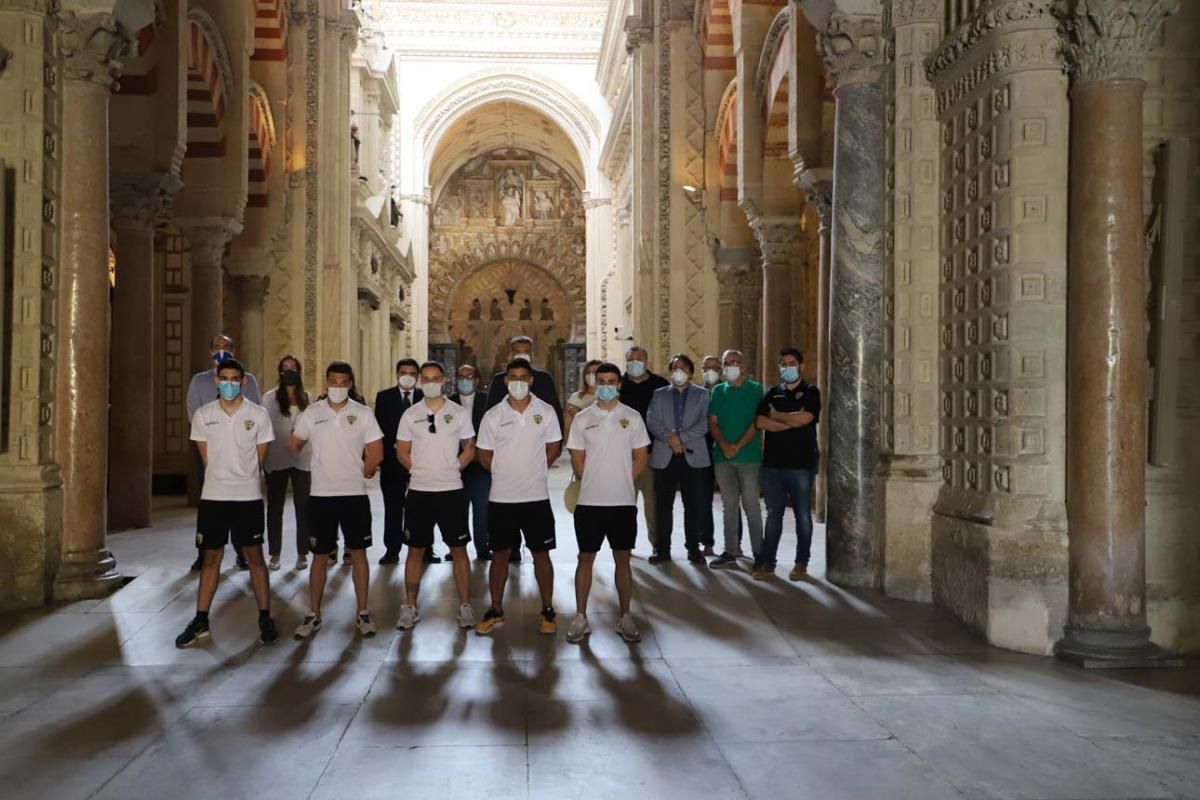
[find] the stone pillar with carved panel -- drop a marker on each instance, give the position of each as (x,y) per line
(252,292)
(208,238)
(1105,44)
(91,45)
(818,187)
(999,549)
(781,241)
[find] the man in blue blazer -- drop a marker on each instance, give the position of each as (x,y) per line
(678,423)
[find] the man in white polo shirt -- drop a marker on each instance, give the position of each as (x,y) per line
(232,435)
(519,439)
(347,447)
(608,445)
(435,441)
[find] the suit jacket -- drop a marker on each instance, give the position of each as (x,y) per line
(389,407)
(478,409)
(660,421)
(543,389)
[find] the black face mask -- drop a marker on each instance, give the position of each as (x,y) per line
(289,377)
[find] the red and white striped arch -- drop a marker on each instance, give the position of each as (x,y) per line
(716,34)
(727,143)
(261,141)
(207,83)
(270,30)
(775,89)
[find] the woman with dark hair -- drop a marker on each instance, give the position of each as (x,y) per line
(284,403)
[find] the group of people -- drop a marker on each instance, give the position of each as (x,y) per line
(476,468)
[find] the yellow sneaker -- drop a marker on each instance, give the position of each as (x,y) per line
(492,620)
(798,573)
(548,622)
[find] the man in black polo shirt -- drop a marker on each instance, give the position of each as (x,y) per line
(638,385)
(788,414)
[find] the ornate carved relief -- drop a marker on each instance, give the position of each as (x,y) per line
(141,202)
(852,48)
(663,221)
(92,46)
(696,251)
(1108,39)
(312,94)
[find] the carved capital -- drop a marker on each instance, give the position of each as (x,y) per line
(252,289)
(593,203)
(905,11)
(208,237)
(92,47)
(852,47)
(818,187)
(637,33)
(1104,40)
(781,240)
(141,201)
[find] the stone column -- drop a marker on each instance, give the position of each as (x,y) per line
(852,48)
(252,291)
(138,202)
(208,237)
(818,183)
(732,273)
(1105,46)
(781,241)
(90,45)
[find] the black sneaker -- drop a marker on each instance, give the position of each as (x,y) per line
(243,564)
(390,557)
(483,557)
(196,630)
(198,563)
(659,559)
(696,557)
(515,558)
(431,557)
(267,633)
(346,561)
(724,561)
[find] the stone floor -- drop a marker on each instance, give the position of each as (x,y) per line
(738,689)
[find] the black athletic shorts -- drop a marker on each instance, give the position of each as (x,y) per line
(507,521)
(217,521)
(594,523)
(446,510)
(352,513)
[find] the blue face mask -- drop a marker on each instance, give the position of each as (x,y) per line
(789,374)
(635,368)
(466,386)
(221,355)
(606,394)
(229,389)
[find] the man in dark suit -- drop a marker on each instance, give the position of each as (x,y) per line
(390,405)
(476,480)
(521,347)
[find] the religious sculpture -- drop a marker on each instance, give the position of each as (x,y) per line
(546,310)
(496,313)
(476,311)
(512,206)
(526,310)
(543,205)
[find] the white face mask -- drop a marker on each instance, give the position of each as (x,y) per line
(518,390)
(338,394)
(433,390)
(407,382)
(590,380)
(733,373)
(679,377)
(711,376)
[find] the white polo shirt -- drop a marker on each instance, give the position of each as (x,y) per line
(337,440)
(609,439)
(518,443)
(435,455)
(232,441)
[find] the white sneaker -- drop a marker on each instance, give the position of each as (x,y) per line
(365,625)
(627,629)
(301,564)
(466,616)
(311,624)
(273,564)
(408,618)
(579,629)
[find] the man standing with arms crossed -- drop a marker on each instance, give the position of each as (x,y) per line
(347,447)
(518,441)
(232,435)
(435,442)
(608,445)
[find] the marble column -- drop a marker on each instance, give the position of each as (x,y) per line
(138,202)
(852,48)
(781,241)
(90,45)
(208,237)
(252,291)
(818,184)
(1106,345)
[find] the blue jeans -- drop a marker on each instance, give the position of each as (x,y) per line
(778,485)
(478,483)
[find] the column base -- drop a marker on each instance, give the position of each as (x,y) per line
(1091,649)
(87,580)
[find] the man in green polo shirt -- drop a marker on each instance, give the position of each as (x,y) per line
(736,453)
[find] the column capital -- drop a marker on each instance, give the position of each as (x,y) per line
(141,200)
(852,48)
(1105,40)
(208,237)
(780,239)
(904,12)
(252,288)
(92,47)
(818,186)
(637,33)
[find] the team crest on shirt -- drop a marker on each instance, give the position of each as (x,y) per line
(249,424)
(447,418)
(352,419)
(537,419)
(624,423)
(199,540)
